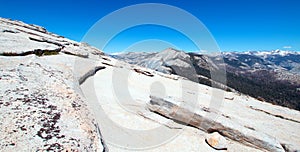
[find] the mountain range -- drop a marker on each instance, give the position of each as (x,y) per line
(271,76)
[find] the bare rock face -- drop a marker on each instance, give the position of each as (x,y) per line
(41,105)
(216,141)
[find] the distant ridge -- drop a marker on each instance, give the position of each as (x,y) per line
(271,76)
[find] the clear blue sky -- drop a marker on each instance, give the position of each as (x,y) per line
(237,25)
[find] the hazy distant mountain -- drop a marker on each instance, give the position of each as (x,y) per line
(272,76)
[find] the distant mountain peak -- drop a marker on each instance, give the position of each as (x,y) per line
(171,50)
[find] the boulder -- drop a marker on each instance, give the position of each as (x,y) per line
(216,141)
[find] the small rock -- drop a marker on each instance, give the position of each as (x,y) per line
(216,141)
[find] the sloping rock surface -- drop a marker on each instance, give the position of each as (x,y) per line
(41,105)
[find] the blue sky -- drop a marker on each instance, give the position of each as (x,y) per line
(155,39)
(237,25)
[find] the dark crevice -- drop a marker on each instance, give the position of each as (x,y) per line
(46,41)
(79,55)
(143,72)
(212,130)
(278,116)
(105,148)
(108,64)
(37,52)
(285,147)
(27,32)
(10,31)
(249,127)
(90,74)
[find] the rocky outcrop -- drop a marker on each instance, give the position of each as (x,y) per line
(225,126)
(41,105)
(20,39)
